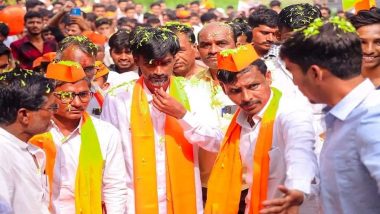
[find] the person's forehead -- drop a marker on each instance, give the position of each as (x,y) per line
(266,28)
(74,53)
(76,87)
(372,30)
(215,33)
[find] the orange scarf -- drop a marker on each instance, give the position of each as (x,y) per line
(99,97)
(224,186)
(180,184)
(88,183)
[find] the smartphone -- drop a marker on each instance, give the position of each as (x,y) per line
(76,11)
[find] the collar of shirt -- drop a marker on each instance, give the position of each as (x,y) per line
(242,117)
(64,138)
(273,52)
(14,139)
(342,109)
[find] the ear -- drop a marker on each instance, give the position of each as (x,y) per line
(23,116)
(106,85)
(316,73)
(268,77)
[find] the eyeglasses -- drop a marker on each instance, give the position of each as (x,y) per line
(89,70)
(69,96)
(53,108)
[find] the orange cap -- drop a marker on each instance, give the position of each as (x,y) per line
(47,57)
(101,69)
(95,38)
(235,60)
(37,62)
(66,71)
(183,14)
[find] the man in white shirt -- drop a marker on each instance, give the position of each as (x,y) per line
(87,171)
(271,135)
(26,107)
(163,122)
(325,60)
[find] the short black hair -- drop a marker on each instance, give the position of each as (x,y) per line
(195,2)
(266,17)
(296,16)
(4,29)
(155,4)
(4,50)
(29,4)
(240,27)
(206,17)
(274,3)
(111,8)
(97,5)
(21,88)
(119,41)
(153,20)
(102,21)
(366,17)
(228,77)
(153,43)
(177,27)
(333,48)
(31,15)
(326,8)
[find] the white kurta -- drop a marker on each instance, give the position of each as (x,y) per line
(23,182)
(199,130)
(114,191)
(292,160)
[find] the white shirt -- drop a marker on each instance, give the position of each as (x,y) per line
(350,157)
(292,160)
(23,182)
(198,130)
(114,175)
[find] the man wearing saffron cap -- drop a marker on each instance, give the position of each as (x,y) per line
(85,161)
(163,122)
(270,135)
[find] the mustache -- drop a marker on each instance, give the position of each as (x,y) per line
(158,78)
(249,103)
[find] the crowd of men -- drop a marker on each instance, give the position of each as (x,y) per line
(107,109)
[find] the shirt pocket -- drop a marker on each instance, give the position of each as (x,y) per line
(276,163)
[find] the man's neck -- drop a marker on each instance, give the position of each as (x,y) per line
(16,131)
(66,126)
(124,70)
(261,52)
(35,38)
(341,88)
(193,70)
(373,75)
(214,75)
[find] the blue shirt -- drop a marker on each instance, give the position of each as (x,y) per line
(350,157)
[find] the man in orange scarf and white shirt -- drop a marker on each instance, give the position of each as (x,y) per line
(163,121)
(85,162)
(271,135)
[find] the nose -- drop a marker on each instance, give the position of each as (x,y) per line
(158,69)
(271,37)
(123,56)
(245,96)
(214,49)
(76,101)
(368,48)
